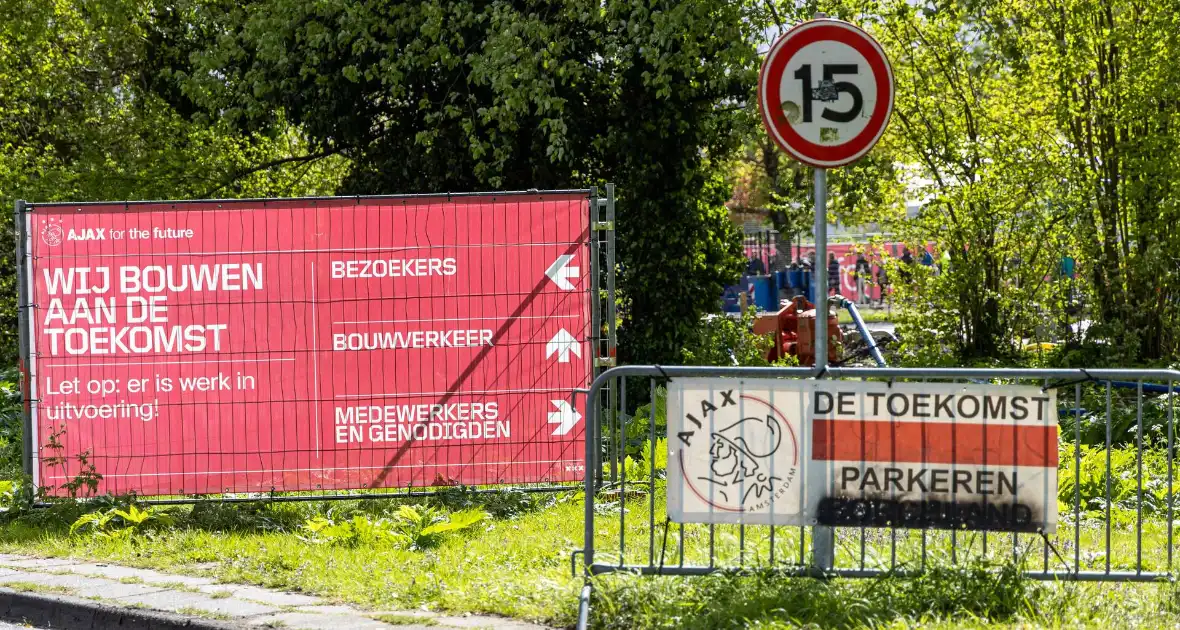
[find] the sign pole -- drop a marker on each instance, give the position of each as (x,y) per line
(821,268)
(823,539)
(825,93)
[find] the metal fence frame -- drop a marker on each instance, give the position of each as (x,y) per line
(600,246)
(1069,380)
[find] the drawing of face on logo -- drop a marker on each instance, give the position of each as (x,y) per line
(740,457)
(749,460)
(52,234)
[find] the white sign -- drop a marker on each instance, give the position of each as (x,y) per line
(852,453)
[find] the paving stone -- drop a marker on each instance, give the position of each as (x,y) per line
(82,585)
(262,595)
(328,610)
(37,563)
(176,600)
(335,621)
(149,576)
(483,621)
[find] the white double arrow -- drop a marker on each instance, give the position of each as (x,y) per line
(560,272)
(565,417)
(563,344)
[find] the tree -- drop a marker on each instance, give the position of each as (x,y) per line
(1117,100)
(78,123)
(452,95)
(973,127)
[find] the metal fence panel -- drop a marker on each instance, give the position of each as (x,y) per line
(1114,494)
(307,348)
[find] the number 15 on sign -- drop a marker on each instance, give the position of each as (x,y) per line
(826,93)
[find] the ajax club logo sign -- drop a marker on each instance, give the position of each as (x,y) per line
(733,453)
(52,233)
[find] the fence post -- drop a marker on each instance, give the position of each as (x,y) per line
(592,451)
(612,314)
(22,314)
(616,411)
(593,430)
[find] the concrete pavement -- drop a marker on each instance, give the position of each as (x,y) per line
(67,593)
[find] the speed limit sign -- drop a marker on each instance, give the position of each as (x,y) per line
(826,92)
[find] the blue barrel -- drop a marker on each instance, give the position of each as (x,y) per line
(765,295)
(795,278)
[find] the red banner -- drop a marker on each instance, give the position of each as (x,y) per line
(309,344)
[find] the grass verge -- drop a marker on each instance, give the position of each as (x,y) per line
(518,565)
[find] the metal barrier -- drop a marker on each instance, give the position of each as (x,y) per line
(1115,498)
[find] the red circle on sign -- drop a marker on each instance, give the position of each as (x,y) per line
(770,91)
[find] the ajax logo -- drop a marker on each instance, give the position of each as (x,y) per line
(740,456)
(52,234)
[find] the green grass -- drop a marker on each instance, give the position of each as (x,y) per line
(869,315)
(972,596)
(177,586)
(518,565)
(394,619)
(33,587)
(476,572)
(201,612)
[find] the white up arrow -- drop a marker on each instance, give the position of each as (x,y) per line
(560,272)
(565,417)
(563,344)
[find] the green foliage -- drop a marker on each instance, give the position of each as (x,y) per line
(658,455)
(639,431)
(122,523)
(426,527)
(1115,105)
(722,340)
(411,526)
(1088,418)
(11,425)
(978,139)
(648,461)
(82,480)
(1085,481)
(1029,130)
(499,503)
(359,530)
(255,516)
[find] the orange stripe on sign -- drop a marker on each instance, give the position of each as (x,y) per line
(935,443)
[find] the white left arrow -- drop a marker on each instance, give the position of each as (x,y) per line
(560,272)
(565,417)
(563,344)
